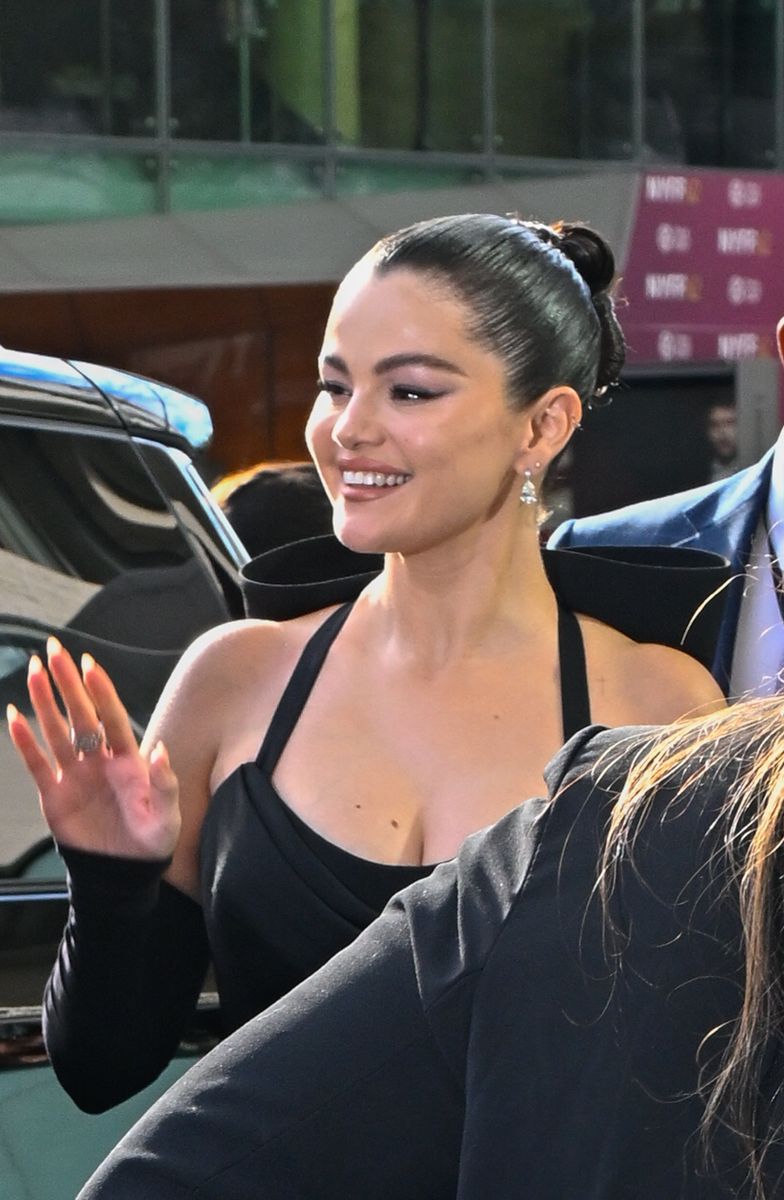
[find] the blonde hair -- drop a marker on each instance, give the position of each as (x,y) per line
(750,737)
(224,487)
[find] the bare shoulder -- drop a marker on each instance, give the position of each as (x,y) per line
(236,646)
(218,698)
(650,683)
(226,660)
(675,681)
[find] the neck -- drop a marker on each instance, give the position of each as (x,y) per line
(476,596)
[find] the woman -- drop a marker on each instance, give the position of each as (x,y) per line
(587,1003)
(456,360)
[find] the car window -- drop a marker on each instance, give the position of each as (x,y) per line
(210,534)
(92,551)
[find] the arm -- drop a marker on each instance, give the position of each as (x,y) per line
(132,959)
(352,1086)
(134,952)
(674,686)
(338,1091)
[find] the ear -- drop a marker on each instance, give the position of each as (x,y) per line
(780,338)
(552,419)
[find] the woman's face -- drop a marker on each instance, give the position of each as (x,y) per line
(411,430)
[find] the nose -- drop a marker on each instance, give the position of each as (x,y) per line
(358,423)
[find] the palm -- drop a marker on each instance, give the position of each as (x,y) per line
(106,803)
(111,800)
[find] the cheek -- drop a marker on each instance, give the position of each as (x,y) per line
(462,444)
(318,429)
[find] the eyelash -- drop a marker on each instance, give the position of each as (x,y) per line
(334,389)
(405,395)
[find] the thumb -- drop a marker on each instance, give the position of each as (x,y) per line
(162,777)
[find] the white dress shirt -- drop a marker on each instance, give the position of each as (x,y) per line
(758,656)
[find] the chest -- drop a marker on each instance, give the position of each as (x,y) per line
(403,771)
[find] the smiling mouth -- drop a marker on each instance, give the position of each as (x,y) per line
(373,479)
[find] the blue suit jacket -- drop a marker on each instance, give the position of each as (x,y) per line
(721,517)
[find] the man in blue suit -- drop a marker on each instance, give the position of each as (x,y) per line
(740,517)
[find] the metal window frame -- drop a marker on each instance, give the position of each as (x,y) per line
(327,157)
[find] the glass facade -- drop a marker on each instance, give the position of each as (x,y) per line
(709,81)
(190,104)
(86,67)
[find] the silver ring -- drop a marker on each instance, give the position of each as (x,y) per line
(87,743)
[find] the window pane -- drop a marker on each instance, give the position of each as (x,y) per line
(75,184)
(91,552)
(710,81)
(200,182)
(247,70)
(563,78)
(366,178)
(409,74)
(82,67)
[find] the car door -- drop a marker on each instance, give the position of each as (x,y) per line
(110,541)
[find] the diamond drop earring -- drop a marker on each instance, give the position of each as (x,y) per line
(528,493)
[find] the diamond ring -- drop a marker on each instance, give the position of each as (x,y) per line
(87,743)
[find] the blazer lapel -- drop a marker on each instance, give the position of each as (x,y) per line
(723,518)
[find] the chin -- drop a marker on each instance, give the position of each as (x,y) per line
(363,533)
(362,541)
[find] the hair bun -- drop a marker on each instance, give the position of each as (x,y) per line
(592,257)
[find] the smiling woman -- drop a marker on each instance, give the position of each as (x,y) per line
(298,773)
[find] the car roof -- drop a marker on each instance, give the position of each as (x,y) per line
(44,385)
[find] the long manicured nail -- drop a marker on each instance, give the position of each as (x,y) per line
(53,645)
(35,665)
(160,753)
(11,713)
(88,662)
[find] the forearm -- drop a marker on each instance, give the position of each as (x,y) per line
(339,1091)
(130,965)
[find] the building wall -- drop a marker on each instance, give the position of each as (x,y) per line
(250,353)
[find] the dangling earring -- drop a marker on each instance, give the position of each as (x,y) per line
(528,494)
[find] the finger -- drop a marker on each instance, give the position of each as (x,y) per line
(162,776)
(164,792)
(79,706)
(26,745)
(51,722)
(109,707)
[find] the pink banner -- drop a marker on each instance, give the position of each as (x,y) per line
(704,277)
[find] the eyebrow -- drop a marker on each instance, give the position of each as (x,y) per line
(398,360)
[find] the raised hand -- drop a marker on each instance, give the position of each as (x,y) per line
(97,791)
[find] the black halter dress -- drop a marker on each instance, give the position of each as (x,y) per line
(279,899)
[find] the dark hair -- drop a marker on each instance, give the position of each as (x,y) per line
(539,295)
(271,504)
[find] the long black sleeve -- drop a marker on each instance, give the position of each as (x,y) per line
(132,959)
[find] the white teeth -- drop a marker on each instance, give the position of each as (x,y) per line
(373,479)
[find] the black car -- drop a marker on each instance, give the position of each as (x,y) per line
(109,539)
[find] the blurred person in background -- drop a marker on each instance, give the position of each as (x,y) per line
(273,503)
(721,429)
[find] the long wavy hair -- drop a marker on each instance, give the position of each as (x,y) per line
(750,736)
